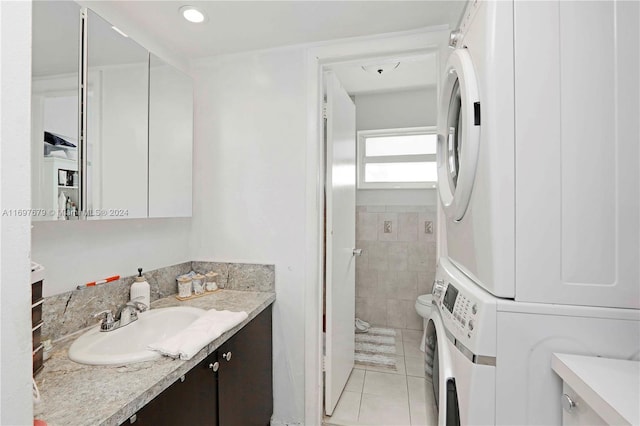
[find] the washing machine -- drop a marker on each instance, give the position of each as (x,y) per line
(476,147)
(460,350)
(488,360)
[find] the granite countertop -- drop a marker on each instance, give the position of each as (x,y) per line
(78,394)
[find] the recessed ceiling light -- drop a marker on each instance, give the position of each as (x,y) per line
(192,14)
(381,68)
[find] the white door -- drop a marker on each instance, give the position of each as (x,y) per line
(340,239)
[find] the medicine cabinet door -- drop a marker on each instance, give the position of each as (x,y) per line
(54,110)
(170,140)
(117,123)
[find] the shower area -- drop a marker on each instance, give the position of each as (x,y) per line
(397,265)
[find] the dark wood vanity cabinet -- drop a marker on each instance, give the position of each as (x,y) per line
(232,386)
(191,400)
(245,378)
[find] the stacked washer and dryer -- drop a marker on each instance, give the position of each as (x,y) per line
(539,183)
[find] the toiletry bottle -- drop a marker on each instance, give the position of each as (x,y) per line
(141,289)
(67,210)
(62,205)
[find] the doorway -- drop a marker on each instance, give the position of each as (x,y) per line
(394,96)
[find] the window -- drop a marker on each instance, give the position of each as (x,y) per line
(397,158)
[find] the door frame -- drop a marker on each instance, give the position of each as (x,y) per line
(319,59)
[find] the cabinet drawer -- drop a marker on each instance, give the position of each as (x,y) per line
(38,357)
(36,292)
(36,313)
(36,334)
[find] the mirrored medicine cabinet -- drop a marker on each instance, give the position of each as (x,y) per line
(112,124)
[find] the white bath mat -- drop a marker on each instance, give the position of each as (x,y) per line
(376,348)
(372,338)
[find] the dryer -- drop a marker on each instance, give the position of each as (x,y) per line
(538,155)
(476,147)
(488,360)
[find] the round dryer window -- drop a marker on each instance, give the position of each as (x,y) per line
(458,134)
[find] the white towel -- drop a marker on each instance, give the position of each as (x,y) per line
(200,333)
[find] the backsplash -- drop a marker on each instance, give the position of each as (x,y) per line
(241,276)
(397,264)
(69,312)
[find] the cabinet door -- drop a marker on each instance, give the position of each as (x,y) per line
(170,140)
(190,402)
(117,113)
(245,375)
(578,183)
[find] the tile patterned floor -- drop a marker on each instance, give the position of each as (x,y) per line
(380,397)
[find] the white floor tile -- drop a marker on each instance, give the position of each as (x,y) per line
(384,410)
(398,334)
(432,415)
(385,384)
(414,366)
(376,396)
(417,401)
(412,336)
(416,386)
(432,410)
(347,410)
(418,414)
(412,349)
(356,381)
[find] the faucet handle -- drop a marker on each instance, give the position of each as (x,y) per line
(106,313)
(106,323)
(136,303)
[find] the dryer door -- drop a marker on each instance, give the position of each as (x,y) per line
(458,134)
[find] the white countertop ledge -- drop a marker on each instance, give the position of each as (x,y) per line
(610,386)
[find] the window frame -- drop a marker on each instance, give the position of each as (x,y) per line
(362,160)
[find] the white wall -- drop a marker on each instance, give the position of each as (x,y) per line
(76,252)
(249,186)
(391,110)
(15,291)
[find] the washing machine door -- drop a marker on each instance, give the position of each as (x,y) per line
(440,381)
(458,134)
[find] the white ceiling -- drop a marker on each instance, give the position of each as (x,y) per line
(412,73)
(235,26)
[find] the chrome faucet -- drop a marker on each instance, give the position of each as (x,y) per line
(125,315)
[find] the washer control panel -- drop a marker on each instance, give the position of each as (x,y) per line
(468,312)
(461,309)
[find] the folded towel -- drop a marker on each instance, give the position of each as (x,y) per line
(200,333)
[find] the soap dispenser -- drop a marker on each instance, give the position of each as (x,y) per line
(141,289)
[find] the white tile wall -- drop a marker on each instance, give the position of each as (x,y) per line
(395,267)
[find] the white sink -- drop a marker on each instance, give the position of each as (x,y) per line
(128,344)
